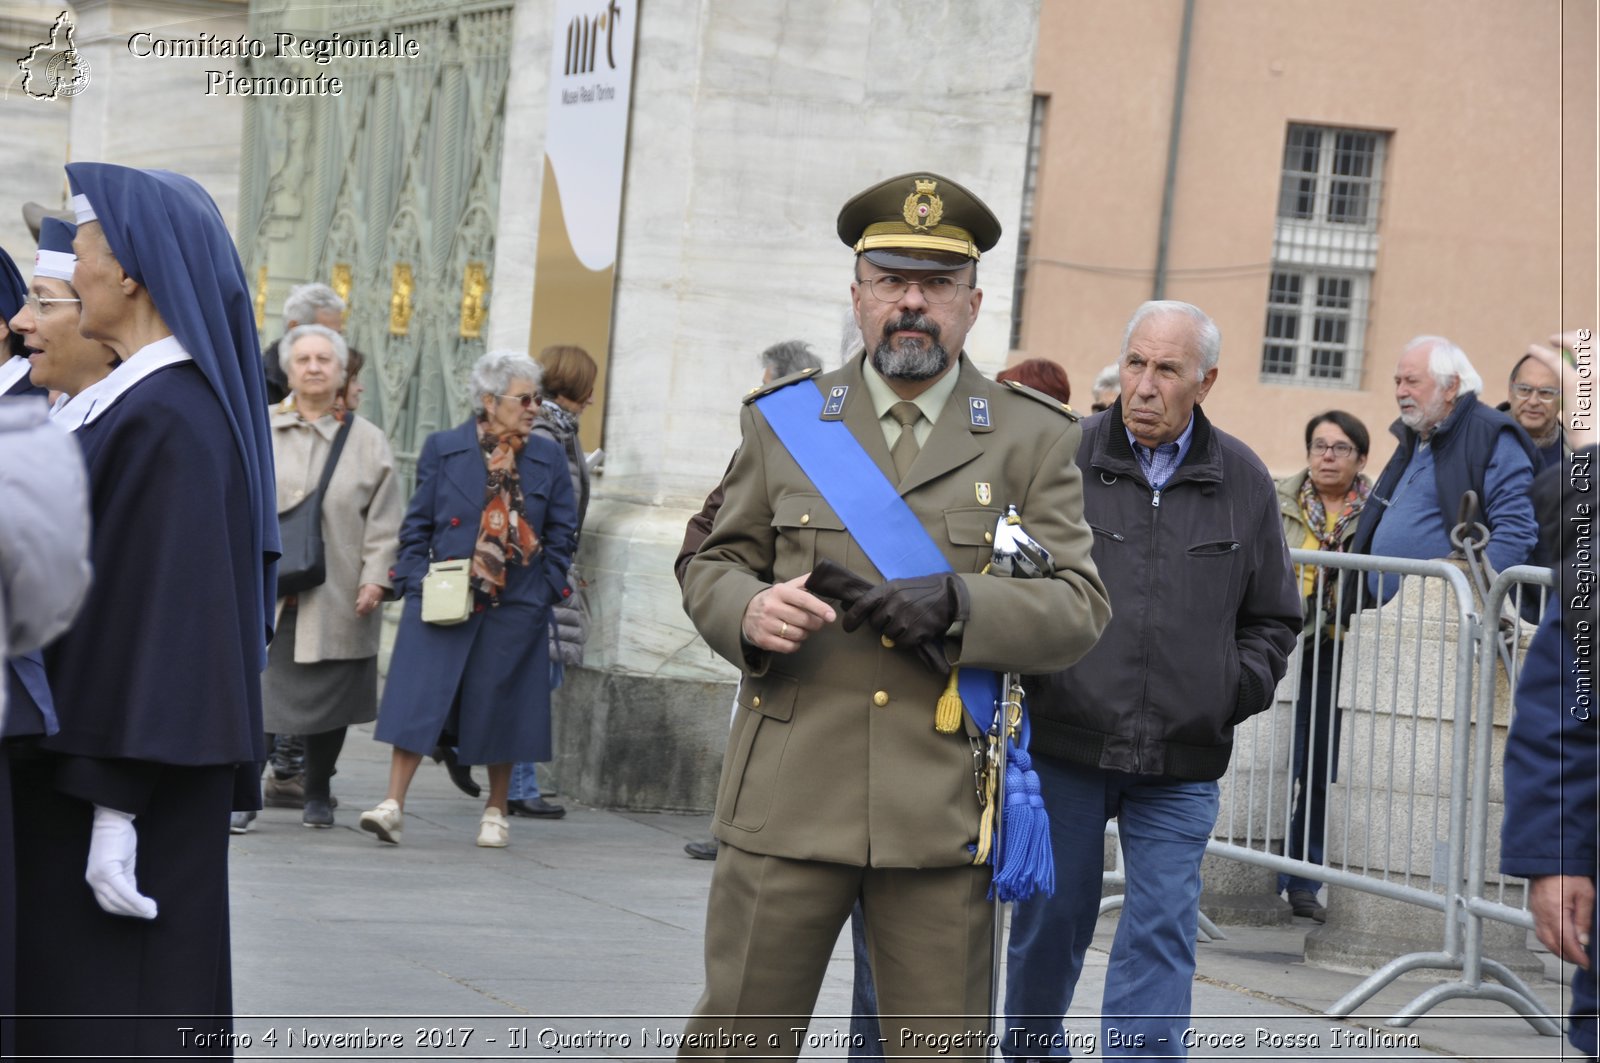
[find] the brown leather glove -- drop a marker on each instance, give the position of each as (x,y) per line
(912,611)
(832,580)
(829,579)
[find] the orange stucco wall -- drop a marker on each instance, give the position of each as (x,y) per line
(1487,232)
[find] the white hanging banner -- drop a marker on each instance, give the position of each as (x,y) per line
(580,209)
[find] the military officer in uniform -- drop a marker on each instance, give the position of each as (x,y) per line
(836,784)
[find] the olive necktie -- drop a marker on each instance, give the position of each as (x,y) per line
(905,448)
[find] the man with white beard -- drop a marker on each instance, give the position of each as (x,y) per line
(1450,443)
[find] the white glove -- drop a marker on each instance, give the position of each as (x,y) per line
(113,852)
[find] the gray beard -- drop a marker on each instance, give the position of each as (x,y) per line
(910,360)
(1423,421)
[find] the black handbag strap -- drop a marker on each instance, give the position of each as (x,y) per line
(333,457)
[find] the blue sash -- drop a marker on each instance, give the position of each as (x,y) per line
(896,542)
(868,504)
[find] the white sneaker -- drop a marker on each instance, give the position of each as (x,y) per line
(386,821)
(493,830)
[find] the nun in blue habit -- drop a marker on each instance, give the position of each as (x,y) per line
(13,356)
(157,684)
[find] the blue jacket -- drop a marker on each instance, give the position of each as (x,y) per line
(441,522)
(495,667)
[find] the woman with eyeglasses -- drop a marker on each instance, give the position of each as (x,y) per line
(55,357)
(487,492)
(1320,507)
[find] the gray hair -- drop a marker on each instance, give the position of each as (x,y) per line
(305,300)
(1109,377)
(1447,362)
(341,349)
(789,357)
(850,338)
(1207,337)
(493,373)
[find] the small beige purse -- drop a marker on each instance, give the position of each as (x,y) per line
(447,593)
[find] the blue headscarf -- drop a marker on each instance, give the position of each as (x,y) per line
(13,292)
(55,258)
(168,235)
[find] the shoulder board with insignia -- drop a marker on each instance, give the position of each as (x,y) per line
(1039,396)
(781,382)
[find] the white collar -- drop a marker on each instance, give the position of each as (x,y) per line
(104,394)
(14,370)
(72,412)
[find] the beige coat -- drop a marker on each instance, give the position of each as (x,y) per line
(833,754)
(360,528)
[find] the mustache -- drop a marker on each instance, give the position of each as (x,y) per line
(912,322)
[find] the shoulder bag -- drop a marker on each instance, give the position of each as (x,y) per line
(303,564)
(447,592)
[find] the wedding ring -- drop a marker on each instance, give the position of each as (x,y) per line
(783,632)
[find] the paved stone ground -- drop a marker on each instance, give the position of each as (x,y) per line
(583,940)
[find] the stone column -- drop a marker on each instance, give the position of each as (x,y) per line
(153,111)
(751,126)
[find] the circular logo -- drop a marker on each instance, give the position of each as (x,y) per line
(67,73)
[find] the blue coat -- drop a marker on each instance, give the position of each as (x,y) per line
(1552,784)
(494,668)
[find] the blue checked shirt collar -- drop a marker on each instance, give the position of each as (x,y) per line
(1158,463)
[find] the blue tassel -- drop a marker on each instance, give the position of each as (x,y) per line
(1027,864)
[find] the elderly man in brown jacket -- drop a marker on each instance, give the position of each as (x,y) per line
(836,784)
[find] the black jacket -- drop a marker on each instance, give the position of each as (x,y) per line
(1205,610)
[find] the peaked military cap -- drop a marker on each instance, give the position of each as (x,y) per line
(918,221)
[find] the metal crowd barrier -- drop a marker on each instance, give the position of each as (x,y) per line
(1406,814)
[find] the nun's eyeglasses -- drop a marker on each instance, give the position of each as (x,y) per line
(37,305)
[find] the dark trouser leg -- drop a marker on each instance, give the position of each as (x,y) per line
(288,757)
(322,754)
(864,1032)
(1316,759)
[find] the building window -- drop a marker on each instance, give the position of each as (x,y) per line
(1324,252)
(1030,185)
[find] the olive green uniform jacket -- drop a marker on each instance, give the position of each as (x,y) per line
(833,755)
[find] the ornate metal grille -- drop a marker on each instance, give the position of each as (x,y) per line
(389,192)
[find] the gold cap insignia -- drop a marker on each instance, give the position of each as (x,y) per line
(923,208)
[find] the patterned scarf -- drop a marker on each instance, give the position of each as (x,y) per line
(564,423)
(504,538)
(1332,538)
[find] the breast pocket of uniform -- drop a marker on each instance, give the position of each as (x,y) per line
(971,533)
(755,753)
(807,529)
